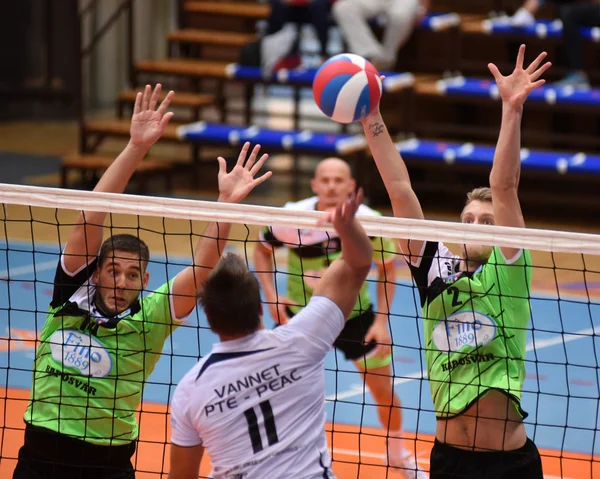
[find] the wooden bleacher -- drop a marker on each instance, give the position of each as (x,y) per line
(183,67)
(121,128)
(193,101)
(213,37)
(211,34)
(97,164)
(254,11)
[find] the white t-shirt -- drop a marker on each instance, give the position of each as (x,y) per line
(291,236)
(257,404)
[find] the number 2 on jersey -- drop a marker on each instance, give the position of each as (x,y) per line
(454,291)
(254,431)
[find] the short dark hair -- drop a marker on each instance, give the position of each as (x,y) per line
(231,298)
(127,244)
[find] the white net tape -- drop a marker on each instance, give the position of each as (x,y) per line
(448,232)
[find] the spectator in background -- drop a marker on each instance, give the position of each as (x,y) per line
(574,16)
(281,46)
(525,15)
(400,16)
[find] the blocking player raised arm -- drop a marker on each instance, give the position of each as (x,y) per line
(506,170)
(395,176)
(233,188)
(147,125)
(343,280)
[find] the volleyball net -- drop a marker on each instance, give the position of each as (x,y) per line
(561,387)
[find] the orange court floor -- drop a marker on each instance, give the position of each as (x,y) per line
(358,453)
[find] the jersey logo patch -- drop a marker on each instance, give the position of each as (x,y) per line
(78,350)
(453,277)
(464,329)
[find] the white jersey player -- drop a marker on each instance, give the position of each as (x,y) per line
(256,403)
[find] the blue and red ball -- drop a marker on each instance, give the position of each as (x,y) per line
(347,88)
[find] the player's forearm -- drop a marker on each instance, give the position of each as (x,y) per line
(263,264)
(357,248)
(118,174)
(188,283)
(209,250)
(392,168)
(116,178)
(389,161)
(87,235)
(506,168)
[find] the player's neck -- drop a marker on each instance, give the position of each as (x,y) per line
(320,206)
(234,337)
(469,266)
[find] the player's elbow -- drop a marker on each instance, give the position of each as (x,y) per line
(361,271)
(400,190)
(180,475)
(502,183)
(365,260)
(184,470)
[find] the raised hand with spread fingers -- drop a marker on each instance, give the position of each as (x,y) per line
(235,185)
(516,87)
(148,123)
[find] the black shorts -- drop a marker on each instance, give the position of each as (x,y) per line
(448,462)
(351,340)
(49,455)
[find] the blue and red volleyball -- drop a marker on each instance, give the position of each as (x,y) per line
(347,88)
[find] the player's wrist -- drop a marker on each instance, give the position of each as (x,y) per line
(512,108)
(137,148)
(374,116)
(227,198)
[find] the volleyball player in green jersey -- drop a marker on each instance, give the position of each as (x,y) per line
(365,339)
(101,340)
(475,307)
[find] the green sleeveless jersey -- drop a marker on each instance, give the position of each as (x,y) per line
(475,326)
(90,369)
(310,253)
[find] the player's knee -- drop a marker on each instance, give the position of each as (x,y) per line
(344,11)
(400,19)
(381,386)
(383,393)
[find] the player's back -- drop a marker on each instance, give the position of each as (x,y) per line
(257,404)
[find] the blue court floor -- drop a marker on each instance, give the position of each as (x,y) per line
(561,391)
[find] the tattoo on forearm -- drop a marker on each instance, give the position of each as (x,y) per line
(377,128)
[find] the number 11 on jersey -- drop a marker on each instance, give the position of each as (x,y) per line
(253,429)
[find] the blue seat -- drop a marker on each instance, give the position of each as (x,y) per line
(478,88)
(439,21)
(470,154)
(280,140)
(303,77)
(540,29)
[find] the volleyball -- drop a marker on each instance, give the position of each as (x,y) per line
(347,88)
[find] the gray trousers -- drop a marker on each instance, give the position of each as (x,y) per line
(352,17)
